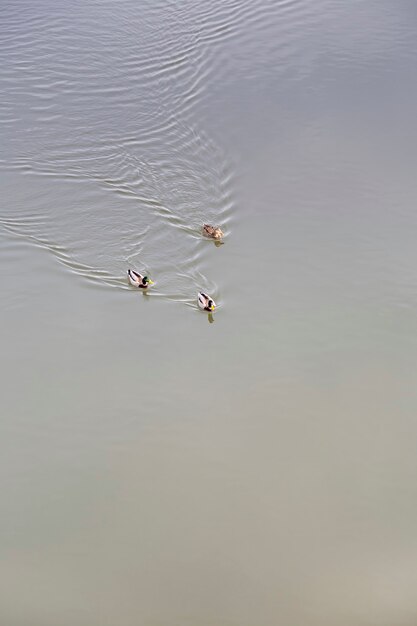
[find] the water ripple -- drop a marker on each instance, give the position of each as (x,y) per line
(112,97)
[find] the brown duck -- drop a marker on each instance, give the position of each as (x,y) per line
(212,231)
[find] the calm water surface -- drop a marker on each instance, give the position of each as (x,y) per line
(157,469)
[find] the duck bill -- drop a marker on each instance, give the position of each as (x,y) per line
(151,282)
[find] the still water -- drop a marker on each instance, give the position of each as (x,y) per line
(157,469)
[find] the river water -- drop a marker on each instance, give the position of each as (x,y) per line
(158,469)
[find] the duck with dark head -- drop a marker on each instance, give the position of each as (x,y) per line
(137,280)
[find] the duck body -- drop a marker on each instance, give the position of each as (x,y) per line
(137,280)
(214,232)
(205,303)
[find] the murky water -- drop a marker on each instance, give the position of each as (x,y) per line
(157,469)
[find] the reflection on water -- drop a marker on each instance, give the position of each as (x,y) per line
(155,471)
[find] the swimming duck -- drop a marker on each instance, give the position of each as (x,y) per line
(137,280)
(212,231)
(205,302)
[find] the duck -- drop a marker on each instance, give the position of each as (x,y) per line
(212,231)
(137,280)
(205,303)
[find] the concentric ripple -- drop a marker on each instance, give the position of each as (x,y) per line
(101,104)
